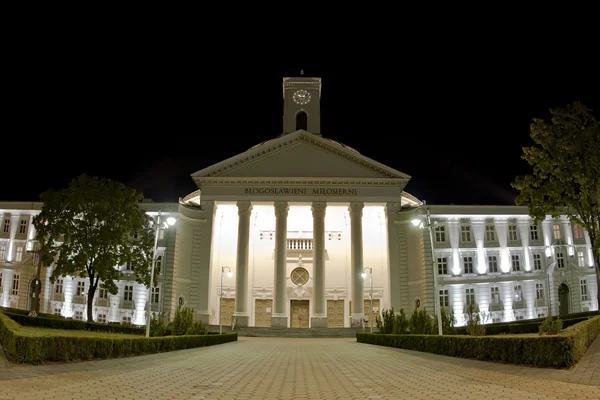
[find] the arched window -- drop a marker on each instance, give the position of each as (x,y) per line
(301,121)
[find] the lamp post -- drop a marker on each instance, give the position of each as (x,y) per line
(169,222)
(364,275)
(221,298)
(436,306)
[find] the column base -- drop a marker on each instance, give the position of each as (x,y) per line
(241,321)
(318,322)
(357,321)
(279,322)
(202,316)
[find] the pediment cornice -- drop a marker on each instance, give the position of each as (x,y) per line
(284,141)
(299,181)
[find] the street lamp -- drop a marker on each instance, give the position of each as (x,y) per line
(364,275)
(221,298)
(436,308)
(169,222)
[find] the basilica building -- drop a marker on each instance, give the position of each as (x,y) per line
(271,240)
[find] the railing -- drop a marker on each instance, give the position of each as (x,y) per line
(299,244)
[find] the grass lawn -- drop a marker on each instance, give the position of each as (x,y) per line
(31,331)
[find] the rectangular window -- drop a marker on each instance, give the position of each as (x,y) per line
(465,233)
(80,288)
(537,262)
(56,310)
(560,260)
(516,262)
(128,293)
(578,231)
(490,233)
(128,266)
(495,295)
(126,320)
(442,263)
(79,315)
(512,233)
(468,265)
(444,298)
(6,227)
(533,232)
(492,263)
(158,264)
(102,318)
(23,226)
(19,254)
(15,287)
(440,234)
(103,293)
(580,258)
(584,293)
(470,296)
(539,291)
(556,231)
(518,293)
(2,251)
(58,287)
(155,294)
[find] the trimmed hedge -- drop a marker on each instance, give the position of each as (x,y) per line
(558,351)
(62,323)
(529,325)
(21,348)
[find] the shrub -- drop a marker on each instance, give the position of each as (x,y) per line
(197,329)
(158,327)
(184,318)
(420,322)
(385,323)
(400,323)
(474,327)
(448,321)
(550,326)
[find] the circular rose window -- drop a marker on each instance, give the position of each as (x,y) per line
(299,276)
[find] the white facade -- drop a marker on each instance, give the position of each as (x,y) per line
(298,219)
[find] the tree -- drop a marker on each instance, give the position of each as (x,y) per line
(566,172)
(94,225)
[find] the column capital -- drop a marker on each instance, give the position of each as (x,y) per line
(318,208)
(356,209)
(392,208)
(281,208)
(208,205)
(244,207)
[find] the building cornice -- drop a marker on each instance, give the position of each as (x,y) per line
(367,182)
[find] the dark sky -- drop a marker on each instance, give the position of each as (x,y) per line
(455,122)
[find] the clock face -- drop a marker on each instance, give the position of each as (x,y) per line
(301,96)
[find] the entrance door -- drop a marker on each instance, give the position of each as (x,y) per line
(563,299)
(299,313)
(227,311)
(335,313)
(367,311)
(263,312)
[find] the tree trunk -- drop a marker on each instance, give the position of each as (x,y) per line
(597,268)
(38,285)
(90,301)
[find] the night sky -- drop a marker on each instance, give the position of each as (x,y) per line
(456,123)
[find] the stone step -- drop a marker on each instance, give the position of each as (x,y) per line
(292,332)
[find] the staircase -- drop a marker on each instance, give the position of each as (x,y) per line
(292,332)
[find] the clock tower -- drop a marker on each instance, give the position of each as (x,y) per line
(301,105)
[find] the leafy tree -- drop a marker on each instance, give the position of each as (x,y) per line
(93,226)
(566,171)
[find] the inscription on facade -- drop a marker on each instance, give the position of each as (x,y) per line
(302,191)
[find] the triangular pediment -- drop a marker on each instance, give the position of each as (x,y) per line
(300,155)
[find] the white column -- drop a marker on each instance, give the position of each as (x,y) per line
(319,318)
(356,251)
(241,269)
(279,318)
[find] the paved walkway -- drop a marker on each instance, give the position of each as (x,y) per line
(274,368)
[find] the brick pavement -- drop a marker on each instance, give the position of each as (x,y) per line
(274,368)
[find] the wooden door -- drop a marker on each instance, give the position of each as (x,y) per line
(367,311)
(227,311)
(263,312)
(299,313)
(335,313)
